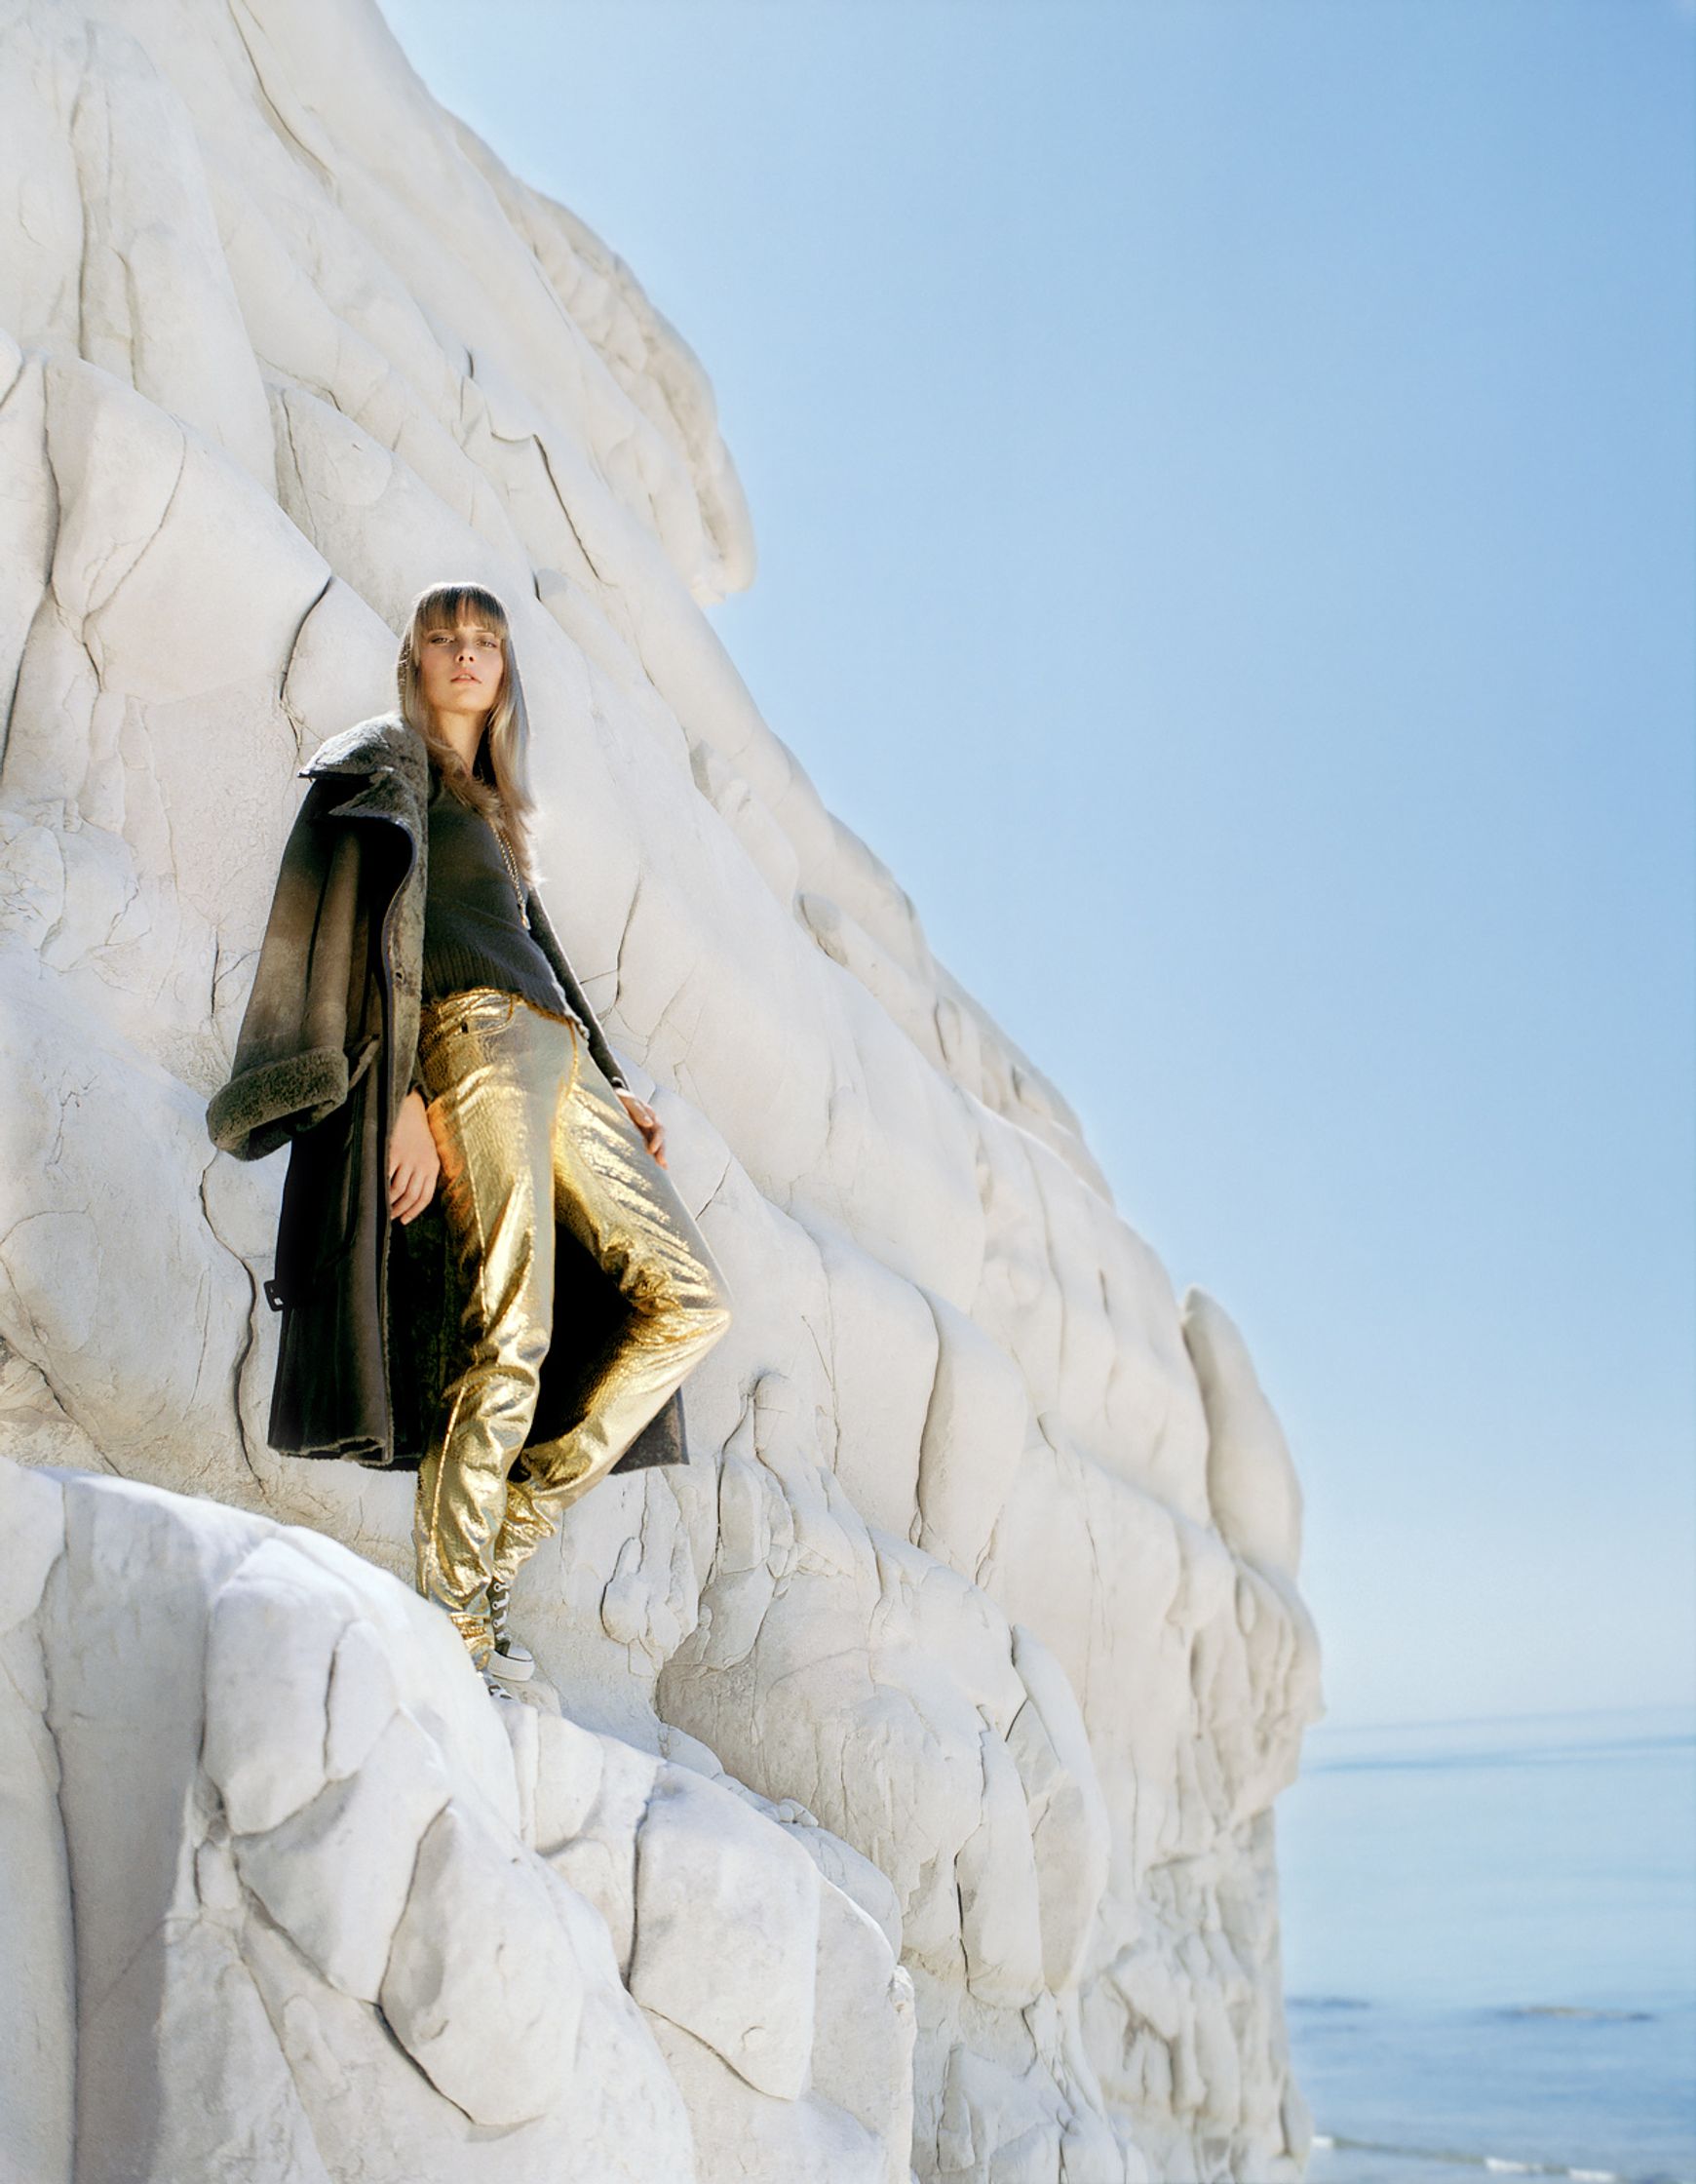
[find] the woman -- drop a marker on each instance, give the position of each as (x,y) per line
(515,1120)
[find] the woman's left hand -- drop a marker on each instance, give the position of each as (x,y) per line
(653,1130)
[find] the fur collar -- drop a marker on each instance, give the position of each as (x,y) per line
(384,743)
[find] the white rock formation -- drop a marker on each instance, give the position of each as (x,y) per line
(292,1899)
(971,1638)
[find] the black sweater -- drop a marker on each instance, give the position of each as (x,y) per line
(475,933)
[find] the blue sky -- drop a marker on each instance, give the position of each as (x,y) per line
(1224,477)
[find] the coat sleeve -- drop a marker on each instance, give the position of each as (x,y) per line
(547,941)
(293,1065)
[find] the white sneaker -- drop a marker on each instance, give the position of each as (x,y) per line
(512,1661)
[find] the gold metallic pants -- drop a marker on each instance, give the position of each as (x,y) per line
(529,1130)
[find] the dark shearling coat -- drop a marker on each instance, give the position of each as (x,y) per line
(323,1059)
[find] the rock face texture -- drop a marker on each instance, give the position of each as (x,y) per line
(898,1787)
(290,1899)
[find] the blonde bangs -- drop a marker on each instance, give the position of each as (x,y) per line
(444,606)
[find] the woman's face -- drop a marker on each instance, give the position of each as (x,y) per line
(460,671)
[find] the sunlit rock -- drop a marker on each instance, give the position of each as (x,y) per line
(896,1783)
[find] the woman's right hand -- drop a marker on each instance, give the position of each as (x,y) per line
(414,1164)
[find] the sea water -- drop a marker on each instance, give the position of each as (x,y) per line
(1489,1948)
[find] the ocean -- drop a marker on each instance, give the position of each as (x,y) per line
(1489,1948)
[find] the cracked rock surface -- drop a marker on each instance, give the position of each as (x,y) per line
(897,1790)
(270,1929)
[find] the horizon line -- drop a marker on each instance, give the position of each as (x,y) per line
(1547,1714)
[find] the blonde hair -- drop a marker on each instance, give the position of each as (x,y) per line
(499,784)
